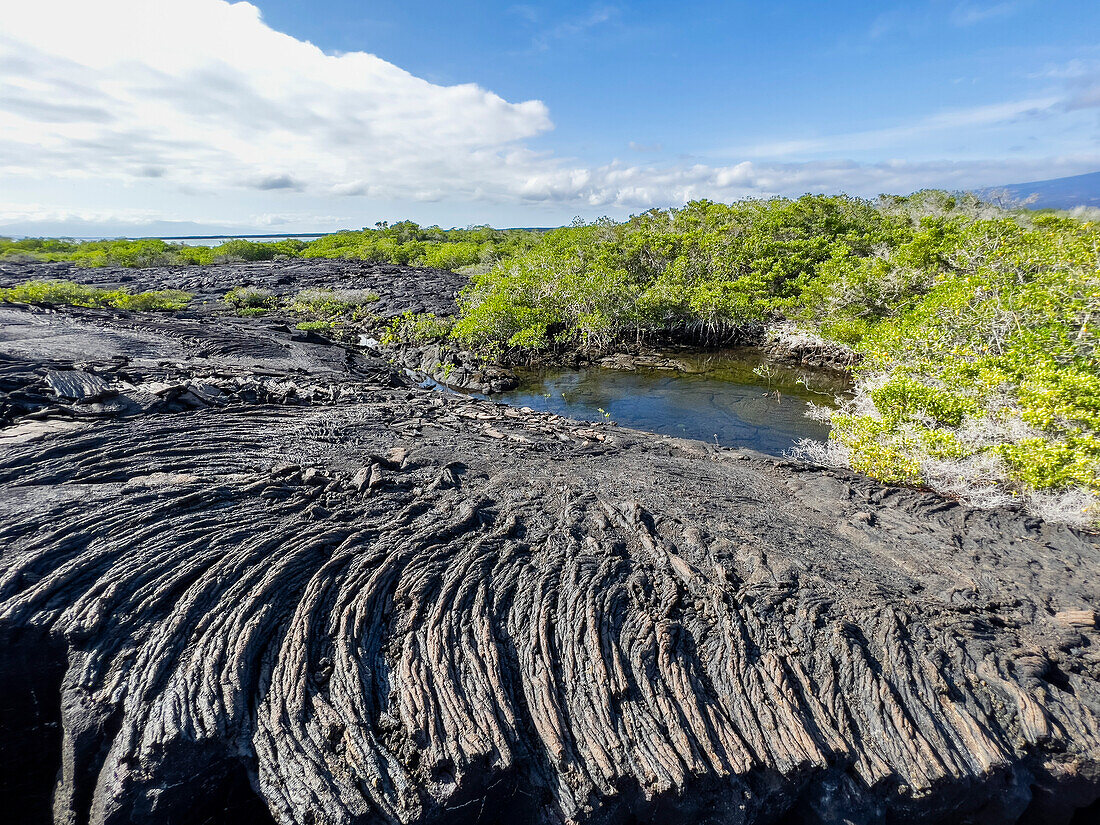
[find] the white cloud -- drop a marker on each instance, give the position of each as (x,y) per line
(967,14)
(204,92)
(557,192)
(946,121)
(133,111)
(1071,70)
(574,27)
(11,212)
(920,19)
(617,187)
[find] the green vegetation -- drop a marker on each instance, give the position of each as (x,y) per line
(705,270)
(249,300)
(316,326)
(324,308)
(408,243)
(976,327)
(143,253)
(983,370)
(67,292)
(401,243)
(417,329)
(973,327)
(330,310)
(331,303)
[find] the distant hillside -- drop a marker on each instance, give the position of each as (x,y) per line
(1057,193)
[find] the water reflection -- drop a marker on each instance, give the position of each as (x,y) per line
(734,397)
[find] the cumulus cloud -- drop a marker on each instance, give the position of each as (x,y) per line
(207,92)
(618,186)
(201,97)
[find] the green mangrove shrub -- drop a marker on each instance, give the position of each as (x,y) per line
(974,326)
(705,270)
(404,242)
(418,329)
(980,374)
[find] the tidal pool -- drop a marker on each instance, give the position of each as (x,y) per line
(733,397)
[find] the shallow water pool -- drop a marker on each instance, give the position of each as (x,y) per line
(733,397)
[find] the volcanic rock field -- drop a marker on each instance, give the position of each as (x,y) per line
(250,575)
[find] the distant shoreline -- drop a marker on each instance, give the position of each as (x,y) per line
(226,236)
(205,237)
(244,237)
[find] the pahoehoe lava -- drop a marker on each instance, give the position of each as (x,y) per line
(248,575)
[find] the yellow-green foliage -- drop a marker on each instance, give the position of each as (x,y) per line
(143,253)
(419,329)
(316,326)
(976,326)
(332,303)
(994,355)
(705,270)
(406,242)
(250,300)
(316,303)
(73,294)
(93,253)
(402,243)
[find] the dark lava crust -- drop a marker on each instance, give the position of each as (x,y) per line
(247,575)
(400,288)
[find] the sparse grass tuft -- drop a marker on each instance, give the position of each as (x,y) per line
(313,304)
(316,326)
(250,300)
(331,302)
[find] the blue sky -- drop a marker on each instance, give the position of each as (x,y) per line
(707,80)
(289,116)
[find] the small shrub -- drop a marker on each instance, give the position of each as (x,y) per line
(55,292)
(164,300)
(240,249)
(332,303)
(316,326)
(416,329)
(249,298)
